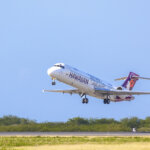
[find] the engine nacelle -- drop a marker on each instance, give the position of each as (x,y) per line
(119,88)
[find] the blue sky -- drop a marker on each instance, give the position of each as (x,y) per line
(106,38)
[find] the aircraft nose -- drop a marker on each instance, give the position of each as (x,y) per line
(50,71)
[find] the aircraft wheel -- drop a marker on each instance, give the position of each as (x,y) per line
(108,101)
(87,101)
(83,100)
(53,83)
(105,101)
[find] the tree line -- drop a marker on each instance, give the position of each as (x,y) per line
(14,123)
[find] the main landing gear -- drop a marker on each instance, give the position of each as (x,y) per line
(106,101)
(84,100)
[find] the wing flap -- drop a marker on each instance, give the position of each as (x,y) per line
(73,91)
(119,92)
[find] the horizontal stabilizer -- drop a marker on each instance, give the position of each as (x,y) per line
(124,78)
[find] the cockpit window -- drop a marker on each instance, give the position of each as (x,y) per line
(59,65)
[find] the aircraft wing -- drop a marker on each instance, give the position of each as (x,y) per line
(73,91)
(119,92)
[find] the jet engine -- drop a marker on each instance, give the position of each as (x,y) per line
(119,88)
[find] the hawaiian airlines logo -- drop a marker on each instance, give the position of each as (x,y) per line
(132,83)
(79,78)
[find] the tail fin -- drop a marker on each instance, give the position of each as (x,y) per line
(130,81)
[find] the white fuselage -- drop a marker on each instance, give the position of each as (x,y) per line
(84,82)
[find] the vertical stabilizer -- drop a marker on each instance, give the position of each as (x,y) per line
(130,81)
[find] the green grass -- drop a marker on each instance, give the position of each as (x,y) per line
(37,141)
(131,146)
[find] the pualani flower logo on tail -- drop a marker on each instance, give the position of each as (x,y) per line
(130,81)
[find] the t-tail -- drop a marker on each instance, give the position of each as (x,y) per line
(130,81)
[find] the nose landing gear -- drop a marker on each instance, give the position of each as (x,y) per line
(53,82)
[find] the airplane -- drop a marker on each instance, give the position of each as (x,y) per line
(85,84)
